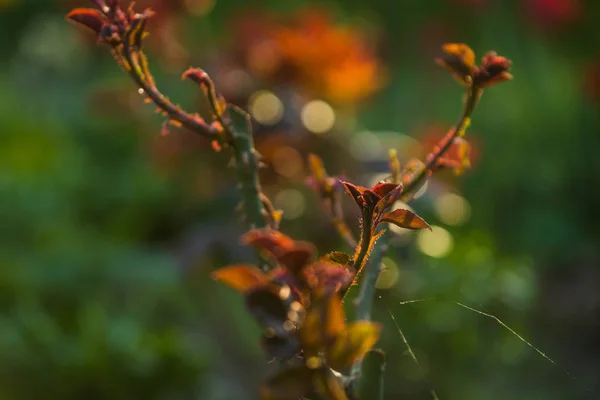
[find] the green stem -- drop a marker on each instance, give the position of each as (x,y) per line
(473,96)
(366,297)
(363,248)
(364,302)
(370,382)
(246,165)
(237,131)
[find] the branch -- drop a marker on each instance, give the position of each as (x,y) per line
(366,297)
(123,30)
(370,384)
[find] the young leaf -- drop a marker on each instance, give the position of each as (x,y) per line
(494,69)
(324,277)
(388,200)
(384,188)
(459,59)
(338,257)
(268,240)
(404,219)
(242,278)
(88,17)
(353,344)
(457,156)
(356,192)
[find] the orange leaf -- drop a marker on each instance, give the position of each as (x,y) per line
(405,219)
(271,241)
(356,192)
(335,317)
(388,200)
(462,51)
(90,18)
(241,277)
(459,60)
(457,156)
(325,277)
(384,188)
(358,338)
(324,322)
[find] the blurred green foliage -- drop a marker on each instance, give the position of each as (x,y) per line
(109,231)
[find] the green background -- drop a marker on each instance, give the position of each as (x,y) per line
(109,231)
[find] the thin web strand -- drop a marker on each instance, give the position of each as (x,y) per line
(408,346)
(501,323)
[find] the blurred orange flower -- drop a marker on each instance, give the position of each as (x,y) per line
(328,60)
(334,60)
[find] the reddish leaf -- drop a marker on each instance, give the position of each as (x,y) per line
(197,75)
(268,240)
(404,219)
(88,17)
(388,200)
(241,277)
(358,338)
(296,258)
(494,69)
(457,156)
(384,188)
(356,192)
(324,277)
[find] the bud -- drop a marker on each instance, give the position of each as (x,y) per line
(459,59)
(494,69)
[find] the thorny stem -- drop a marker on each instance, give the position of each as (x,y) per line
(373,368)
(473,95)
(364,302)
(239,137)
(193,123)
(364,246)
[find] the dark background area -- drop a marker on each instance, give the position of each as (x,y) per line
(109,230)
